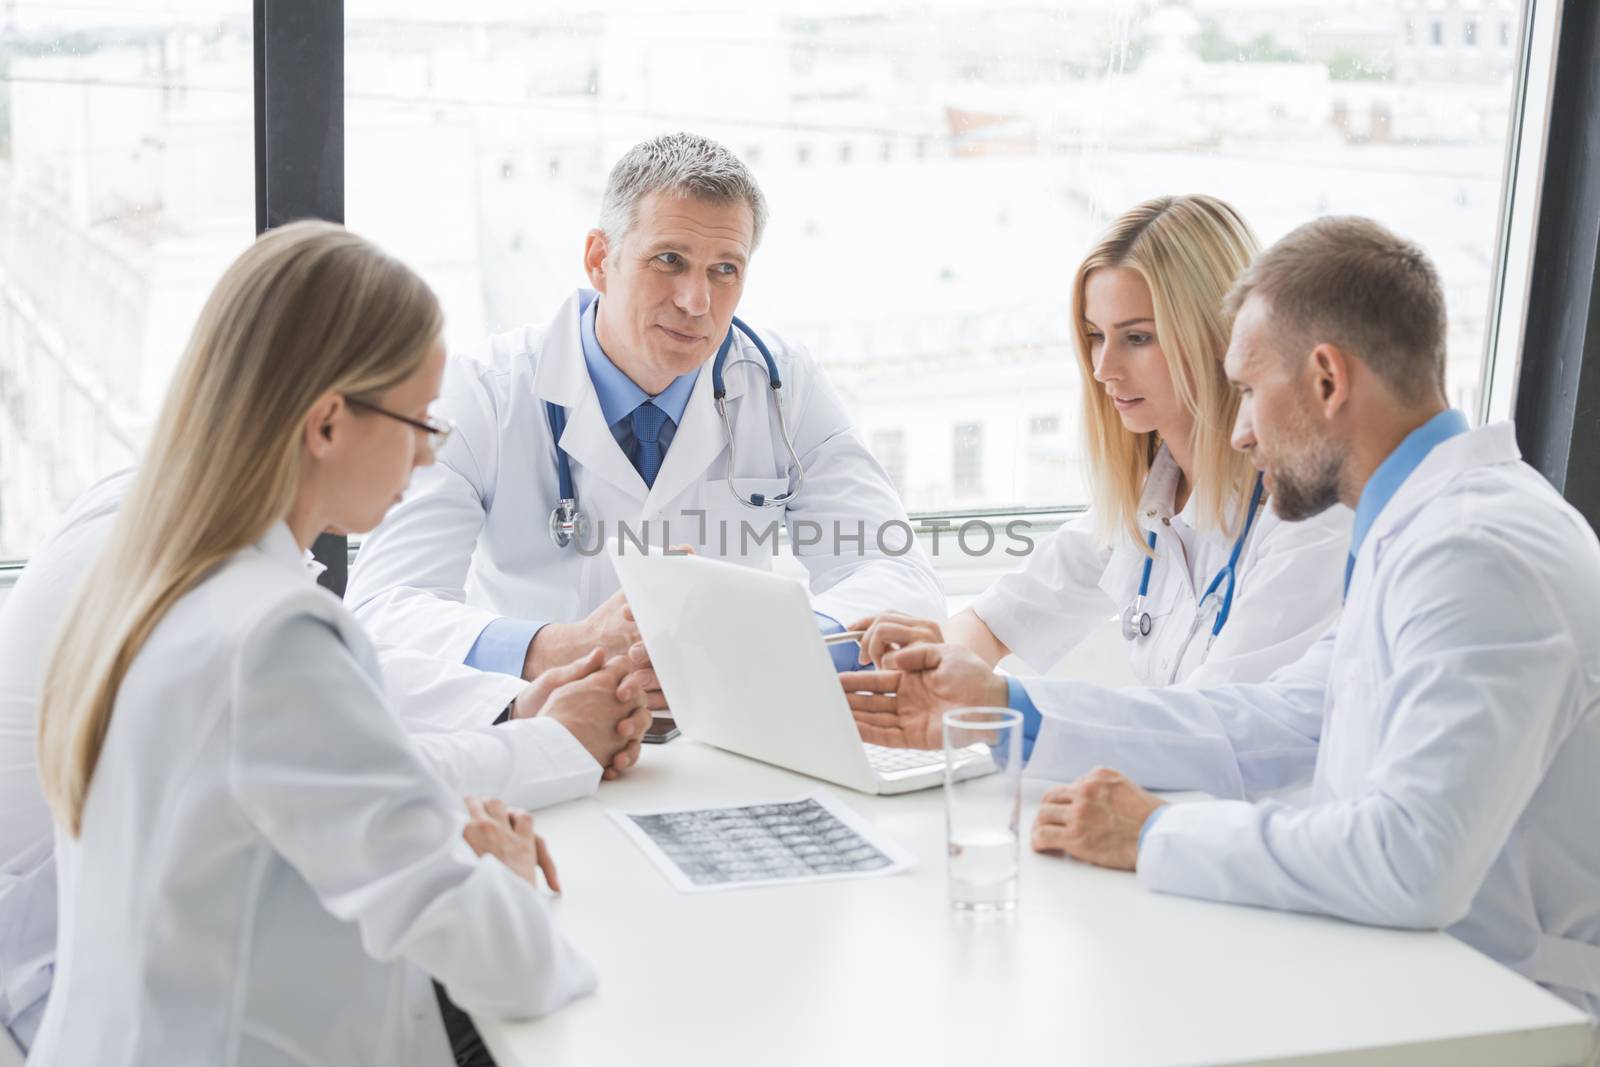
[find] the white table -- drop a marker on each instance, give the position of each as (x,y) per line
(1089,969)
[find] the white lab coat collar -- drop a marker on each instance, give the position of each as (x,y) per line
(562,377)
(1160,492)
(279,543)
(314,566)
(1156,500)
(698,441)
(1483,447)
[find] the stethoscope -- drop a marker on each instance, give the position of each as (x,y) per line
(1136,620)
(567,521)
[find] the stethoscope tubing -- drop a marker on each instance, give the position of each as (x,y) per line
(1137,622)
(568,520)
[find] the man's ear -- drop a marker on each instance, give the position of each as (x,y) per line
(595,249)
(1330,369)
(323,423)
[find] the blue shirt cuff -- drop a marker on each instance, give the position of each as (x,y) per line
(847,656)
(1150,820)
(503,646)
(1017,699)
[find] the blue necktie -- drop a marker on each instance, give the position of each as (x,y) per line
(647,422)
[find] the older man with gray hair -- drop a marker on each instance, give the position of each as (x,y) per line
(643,412)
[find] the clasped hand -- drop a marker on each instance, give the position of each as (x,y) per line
(602,702)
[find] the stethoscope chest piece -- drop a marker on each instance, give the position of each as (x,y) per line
(567,524)
(1135,621)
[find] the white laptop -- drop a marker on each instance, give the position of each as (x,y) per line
(743,667)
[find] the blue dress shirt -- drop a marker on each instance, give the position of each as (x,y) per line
(619,394)
(1392,473)
(1017,699)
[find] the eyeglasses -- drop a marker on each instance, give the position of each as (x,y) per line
(438,430)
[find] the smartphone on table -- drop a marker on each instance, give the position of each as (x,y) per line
(662,729)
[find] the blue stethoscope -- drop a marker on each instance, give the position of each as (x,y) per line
(1136,620)
(567,521)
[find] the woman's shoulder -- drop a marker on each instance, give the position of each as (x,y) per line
(1071,555)
(256,593)
(1328,530)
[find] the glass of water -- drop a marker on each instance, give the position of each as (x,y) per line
(983,805)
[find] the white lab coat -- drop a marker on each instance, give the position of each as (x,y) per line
(1286,591)
(448,708)
(268,873)
(470,543)
(1454,717)
(29,618)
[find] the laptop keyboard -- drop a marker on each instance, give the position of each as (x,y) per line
(890,760)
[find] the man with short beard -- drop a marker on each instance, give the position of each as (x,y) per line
(1449,722)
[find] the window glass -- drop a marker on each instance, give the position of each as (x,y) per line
(966,464)
(890,448)
(935,171)
(126,186)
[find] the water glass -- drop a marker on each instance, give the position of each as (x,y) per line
(983,806)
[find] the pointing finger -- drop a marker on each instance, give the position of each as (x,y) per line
(915,658)
(870,681)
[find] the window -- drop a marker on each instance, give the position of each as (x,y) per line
(969,155)
(966,463)
(126,185)
(890,448)
(1469,33)
(930,201)
(1050,461)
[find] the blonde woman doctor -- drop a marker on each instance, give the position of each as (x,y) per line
(255,864)
(1206,584)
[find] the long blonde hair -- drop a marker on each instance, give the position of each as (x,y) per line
(1188,250)
(307,310)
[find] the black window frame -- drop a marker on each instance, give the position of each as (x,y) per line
(299,145)
(1557,407)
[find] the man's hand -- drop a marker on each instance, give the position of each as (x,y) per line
(609,627)
(536,693)
(654,698)
(507,834)
(645,671)
(891,630)
(1096,819)
(601,703)
(903,705)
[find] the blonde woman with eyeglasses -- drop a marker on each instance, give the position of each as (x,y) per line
(255,865)
(1179,546)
